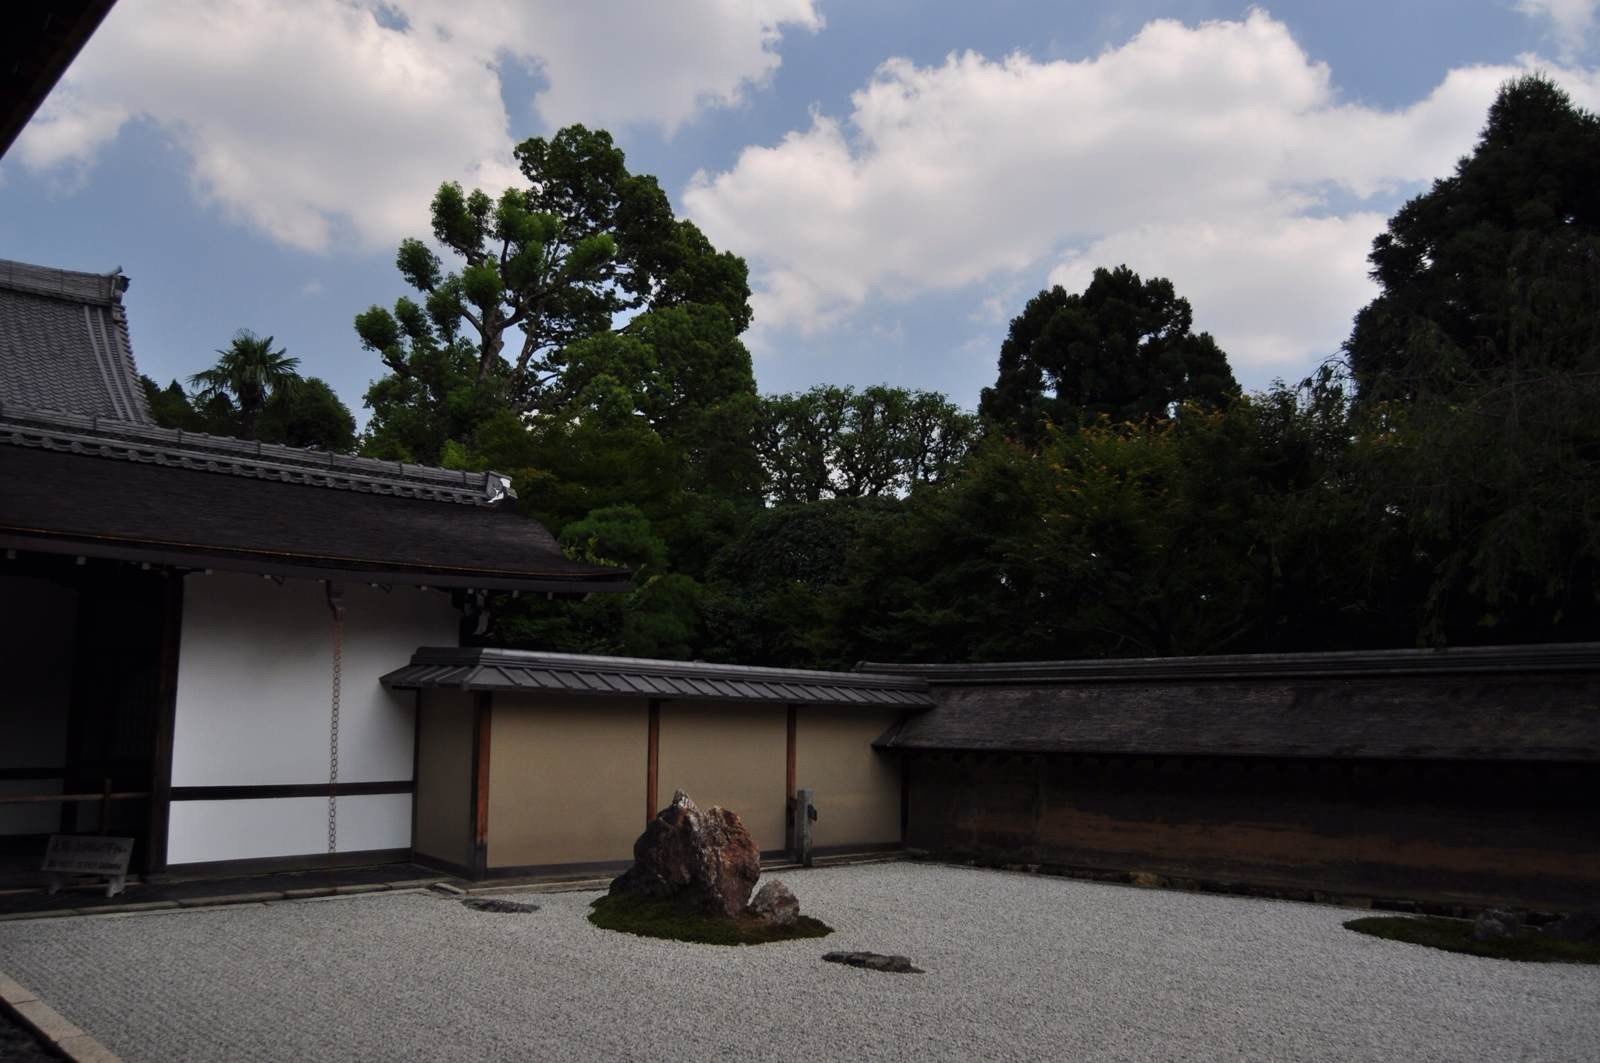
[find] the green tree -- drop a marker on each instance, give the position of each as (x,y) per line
(1123,349)
(556,262)
(309,415)
(431,396)
(170,406)
(1493,270)
(777,591)
(248,372)
(836,442)
(1479,373)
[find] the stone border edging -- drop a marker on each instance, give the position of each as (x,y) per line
(50,1026)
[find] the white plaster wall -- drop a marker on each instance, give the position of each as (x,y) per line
(285,826)
(255,673)
(37,620)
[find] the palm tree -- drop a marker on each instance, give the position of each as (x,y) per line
(248,372)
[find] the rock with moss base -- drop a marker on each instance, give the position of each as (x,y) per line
(1496,924)
(704,860)
(775,904)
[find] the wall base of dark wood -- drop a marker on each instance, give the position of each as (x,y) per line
(1433,835)
(269,865)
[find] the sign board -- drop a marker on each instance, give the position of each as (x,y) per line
(74,854)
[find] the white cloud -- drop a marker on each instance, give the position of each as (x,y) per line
(1225,137)
(321,120)
(1571,20)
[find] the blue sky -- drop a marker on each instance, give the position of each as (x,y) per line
(900,176)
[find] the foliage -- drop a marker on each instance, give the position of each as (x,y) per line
(663,919)
(1124,350)
(432,396)
(170,407)
(1455,935)
(1479,370)
(836,442)
(777,591)
(1124,498)
(310,415)
(557,262)
(248,372)
(1493,269)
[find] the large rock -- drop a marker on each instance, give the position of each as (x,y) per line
(705,860)
(775,904)
(1496,924)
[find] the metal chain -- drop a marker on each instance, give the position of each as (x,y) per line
(333,733)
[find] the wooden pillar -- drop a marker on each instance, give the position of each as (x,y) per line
(482,714)
(652,761)
(789,781)
(155,850)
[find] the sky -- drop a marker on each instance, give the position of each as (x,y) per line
(900,176)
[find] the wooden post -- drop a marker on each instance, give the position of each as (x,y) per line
(788,783)
(652,760)
(482,714)
(160,811)
(804,812)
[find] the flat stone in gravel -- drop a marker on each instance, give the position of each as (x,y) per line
(1019,967)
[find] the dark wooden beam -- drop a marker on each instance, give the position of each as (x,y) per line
(482,714)
(155,849)
(789,783)
(652,762)
(281,790)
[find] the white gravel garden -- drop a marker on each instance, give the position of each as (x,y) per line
(1016,967)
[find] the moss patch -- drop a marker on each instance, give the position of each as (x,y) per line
(1455,935)
(662,919)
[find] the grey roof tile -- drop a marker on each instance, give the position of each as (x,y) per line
(64,344)
(523,670)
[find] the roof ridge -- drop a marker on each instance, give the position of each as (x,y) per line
(135,441)
(495,655)
(102,289)
(1584,656)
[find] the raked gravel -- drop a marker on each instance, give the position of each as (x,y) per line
(1018,967)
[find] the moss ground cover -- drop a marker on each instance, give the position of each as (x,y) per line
(660,919)
(1455,935)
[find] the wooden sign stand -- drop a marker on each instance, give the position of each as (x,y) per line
(76,854)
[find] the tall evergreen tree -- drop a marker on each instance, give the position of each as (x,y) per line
(1124,349)
(1496,265)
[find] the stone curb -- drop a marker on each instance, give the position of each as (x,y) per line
(50,1026)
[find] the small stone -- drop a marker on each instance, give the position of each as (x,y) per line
(1496,924)
(775,905)
(873,961)
(495,904)
(1575,926)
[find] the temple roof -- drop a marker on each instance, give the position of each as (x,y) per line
(86,472)
(1527,703)
(64,344)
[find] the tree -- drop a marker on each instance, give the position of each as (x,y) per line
(247,372)
(1479,372)
(776,590)
(432,396)
(170,406)
(309,415)
(1124,349)
(836,442)
(556,262)
(1494,268)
